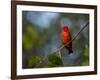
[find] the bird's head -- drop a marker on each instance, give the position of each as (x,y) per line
(65,28)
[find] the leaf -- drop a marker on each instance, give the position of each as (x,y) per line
(33,61)
(54,60)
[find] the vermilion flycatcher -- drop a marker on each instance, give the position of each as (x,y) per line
(66,39)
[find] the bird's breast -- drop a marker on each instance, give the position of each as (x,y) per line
(65,37)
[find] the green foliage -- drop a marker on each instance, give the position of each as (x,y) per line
(33,61)
(86,52)
(86,55)
(86,62)
(54,60)
(27,42)
(31,38)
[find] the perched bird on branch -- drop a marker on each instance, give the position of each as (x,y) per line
(66,39)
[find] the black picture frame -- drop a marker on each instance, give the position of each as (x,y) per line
(14,75)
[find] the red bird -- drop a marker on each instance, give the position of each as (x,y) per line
(66,38)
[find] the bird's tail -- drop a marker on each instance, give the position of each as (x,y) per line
(69,50)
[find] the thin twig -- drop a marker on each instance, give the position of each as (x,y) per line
(65,44)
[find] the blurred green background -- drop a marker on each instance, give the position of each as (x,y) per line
(41,38)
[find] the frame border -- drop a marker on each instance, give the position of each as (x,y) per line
(14,4)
